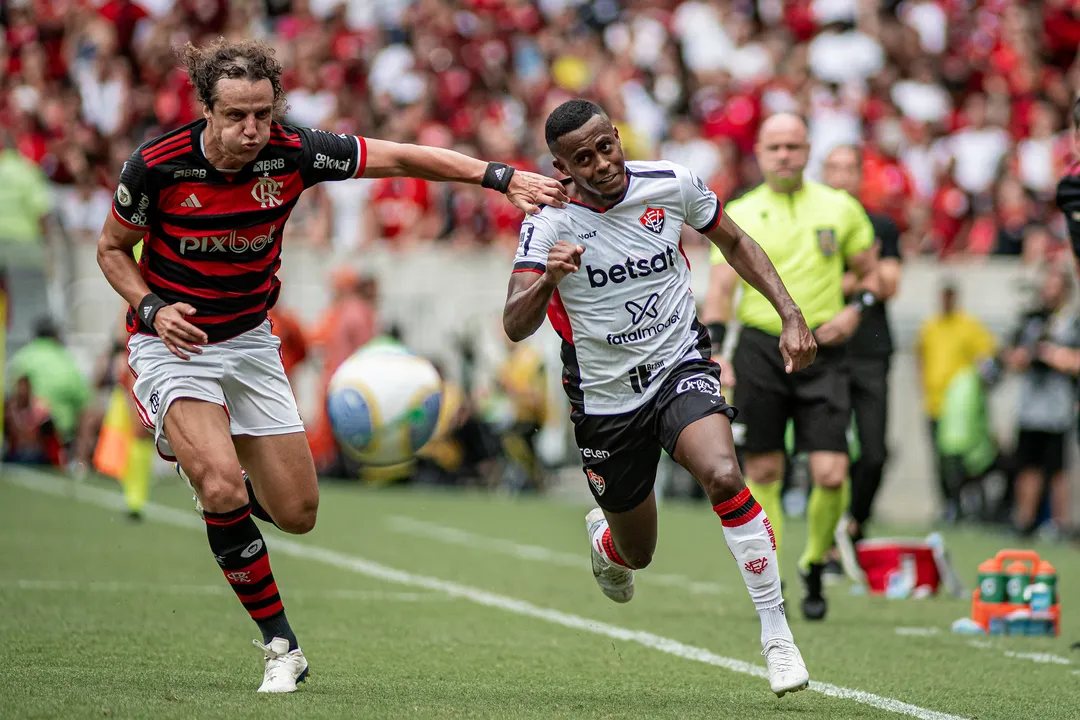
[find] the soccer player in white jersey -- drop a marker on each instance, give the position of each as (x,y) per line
(609,272)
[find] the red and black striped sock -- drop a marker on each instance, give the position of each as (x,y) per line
(239,549)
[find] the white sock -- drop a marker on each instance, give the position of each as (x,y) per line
(750,538)
(601,540)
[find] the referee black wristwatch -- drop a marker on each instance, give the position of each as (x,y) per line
(864,301)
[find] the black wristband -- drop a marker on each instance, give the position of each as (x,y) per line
(497,177)
(864,300)
(717,333)
(148,309)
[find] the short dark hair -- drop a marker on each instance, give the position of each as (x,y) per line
(45,328)
(857,149)
(567,118)
(250,60)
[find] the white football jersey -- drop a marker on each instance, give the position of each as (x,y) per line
(627,317)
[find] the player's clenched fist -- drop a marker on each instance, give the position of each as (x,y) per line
(563,259)
(797,344)
(180,336)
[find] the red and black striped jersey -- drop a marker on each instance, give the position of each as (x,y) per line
(213,239)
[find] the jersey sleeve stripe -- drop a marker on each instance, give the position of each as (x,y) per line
(715,219)
(361,156)
(168,156)
(654,173)
(161,143)
(125,223)
(164,147)
(527,266)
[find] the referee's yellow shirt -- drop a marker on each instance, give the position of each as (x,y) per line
(808,235)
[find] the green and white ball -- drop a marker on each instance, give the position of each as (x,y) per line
(383,404)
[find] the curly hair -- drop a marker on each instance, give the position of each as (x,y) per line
(250,60)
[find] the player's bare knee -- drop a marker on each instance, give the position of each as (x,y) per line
(765,469)
(722,480)
(300,518)
(220,491)
(828,469)
(829,475)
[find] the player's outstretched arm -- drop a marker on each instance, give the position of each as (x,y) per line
(529,293)
(527,191)
(115,256)
(752,264)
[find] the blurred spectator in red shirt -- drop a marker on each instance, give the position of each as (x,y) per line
(887,186)
(402,211)
(950,214)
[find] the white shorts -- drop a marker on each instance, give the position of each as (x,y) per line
(242,374)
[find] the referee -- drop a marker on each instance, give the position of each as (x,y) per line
(869,351)
(810,232)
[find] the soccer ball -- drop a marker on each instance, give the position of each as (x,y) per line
(384,404)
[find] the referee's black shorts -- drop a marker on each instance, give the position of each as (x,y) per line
(818,398)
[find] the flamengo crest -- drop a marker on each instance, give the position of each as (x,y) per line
(267,192)
(653,219)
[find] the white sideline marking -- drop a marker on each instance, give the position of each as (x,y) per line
(457,536)
(917,631)
(112,500)
(119,586)
(1044,658)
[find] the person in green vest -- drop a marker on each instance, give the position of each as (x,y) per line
(964,438)
(55,378)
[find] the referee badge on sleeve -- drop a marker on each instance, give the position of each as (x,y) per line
(826,240)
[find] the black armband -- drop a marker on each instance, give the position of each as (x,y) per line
(148,309)
(864,301)
(497,177)
(717,333)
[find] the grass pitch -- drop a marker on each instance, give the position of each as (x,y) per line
(409,604)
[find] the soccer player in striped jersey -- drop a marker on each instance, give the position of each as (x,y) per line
(211,199)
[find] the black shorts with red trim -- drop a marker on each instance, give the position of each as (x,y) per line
(620,453)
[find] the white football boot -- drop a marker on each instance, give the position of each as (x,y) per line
(284,669)
(615,581)
(787,671)
(194,495)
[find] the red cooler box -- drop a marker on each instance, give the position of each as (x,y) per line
(880,558)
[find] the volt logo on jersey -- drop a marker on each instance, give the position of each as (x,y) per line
(641,309)
(632,269)
(653,219)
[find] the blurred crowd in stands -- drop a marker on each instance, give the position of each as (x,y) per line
(962,104)
(962,108)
